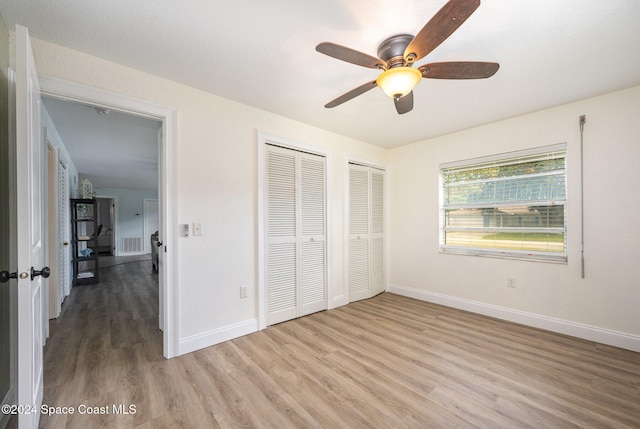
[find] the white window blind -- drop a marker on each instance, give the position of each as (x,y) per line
(511,205)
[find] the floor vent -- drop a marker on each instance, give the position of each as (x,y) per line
(131,244)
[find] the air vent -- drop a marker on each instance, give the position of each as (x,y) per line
(132,244)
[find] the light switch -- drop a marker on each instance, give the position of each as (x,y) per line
(197,228)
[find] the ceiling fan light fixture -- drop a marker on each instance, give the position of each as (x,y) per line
(399,81)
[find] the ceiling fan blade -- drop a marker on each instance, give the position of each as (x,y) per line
(350,55)
(404,104)
(351,94)
(459,70)
(441,26)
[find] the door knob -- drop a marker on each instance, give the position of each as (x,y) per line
(45,272)
(159,244)
(6,275)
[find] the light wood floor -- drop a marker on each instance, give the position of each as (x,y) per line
(388,362)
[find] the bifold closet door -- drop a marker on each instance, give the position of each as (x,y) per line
(296,236)
(366,232)
(376,251)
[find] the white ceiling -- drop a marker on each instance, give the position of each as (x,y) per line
(262,53)
(113,150)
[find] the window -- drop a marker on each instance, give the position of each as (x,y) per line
(510,205)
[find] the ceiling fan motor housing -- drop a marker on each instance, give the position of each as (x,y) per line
(392,49)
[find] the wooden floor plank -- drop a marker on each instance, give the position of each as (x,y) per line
(387,362)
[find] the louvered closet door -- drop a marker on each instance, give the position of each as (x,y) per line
(282,293)
(296,239)
(358,232)
(366,232)
(312,236)
(64,287)
(377,232)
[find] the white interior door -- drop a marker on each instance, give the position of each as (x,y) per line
(312,237)
(366,232)
(376,251)
(281,261)
(30,228)
(296,251)
(358,232)
(64,288)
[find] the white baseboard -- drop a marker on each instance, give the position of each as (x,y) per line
(217,336)
(131,253)
(579,330)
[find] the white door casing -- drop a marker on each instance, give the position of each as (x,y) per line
(167,190)
(30,230)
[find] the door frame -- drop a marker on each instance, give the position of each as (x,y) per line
(262,140)
(52,301)
(167,183)
(113,214)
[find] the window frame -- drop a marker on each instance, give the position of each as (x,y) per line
(556,151)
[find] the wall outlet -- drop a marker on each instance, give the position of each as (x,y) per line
(243,291)
(511,282)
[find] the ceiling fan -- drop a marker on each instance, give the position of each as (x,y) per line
(397,54)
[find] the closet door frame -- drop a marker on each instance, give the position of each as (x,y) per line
(346,221)
(264,139)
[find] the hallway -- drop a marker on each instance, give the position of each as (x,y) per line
(102,345)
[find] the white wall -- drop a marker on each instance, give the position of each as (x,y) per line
(604,304)
(217,186)
(130,213)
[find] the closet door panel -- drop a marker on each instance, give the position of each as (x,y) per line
(313,285)
(358,232)
(366,232)
(281,257)
(296,229)
(377,232)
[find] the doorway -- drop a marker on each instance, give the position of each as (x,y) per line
(106,226)
(165,145)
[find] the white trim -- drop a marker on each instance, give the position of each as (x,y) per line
(262,140)
(505,156)
(168,172)
(217,336)
(566,327)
